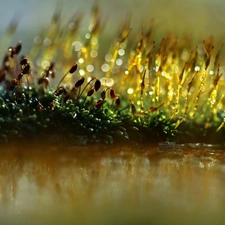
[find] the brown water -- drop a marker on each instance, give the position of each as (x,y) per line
(111,185)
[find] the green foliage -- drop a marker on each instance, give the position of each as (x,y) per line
(37,114)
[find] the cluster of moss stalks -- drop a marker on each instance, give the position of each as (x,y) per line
(82,114)
(156,93)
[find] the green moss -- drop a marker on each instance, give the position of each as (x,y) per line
(22,119)
(135,91)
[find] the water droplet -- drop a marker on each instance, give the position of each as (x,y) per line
(119,62)
(105,67)
(121,52)
(90,68)
(130,91)
(82,72)
(81,60)
(87,36)
(77,46)
(197,68)
(108,57)
(47,42)
(93,53)
(37,40)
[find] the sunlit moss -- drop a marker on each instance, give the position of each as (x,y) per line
(73,88)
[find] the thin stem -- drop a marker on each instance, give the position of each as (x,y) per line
(62,80)
(80,93)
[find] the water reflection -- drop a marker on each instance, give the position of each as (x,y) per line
(111,185)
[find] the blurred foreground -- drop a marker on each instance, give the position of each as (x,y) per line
(111,185)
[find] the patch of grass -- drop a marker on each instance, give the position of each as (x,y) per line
(70,88)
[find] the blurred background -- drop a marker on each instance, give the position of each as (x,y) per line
(202,17)
(198,20)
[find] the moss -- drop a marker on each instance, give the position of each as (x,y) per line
(68,90)
(21,118)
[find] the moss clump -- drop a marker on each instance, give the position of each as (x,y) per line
(69,89)
(37,114)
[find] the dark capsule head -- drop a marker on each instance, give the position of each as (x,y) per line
(117,102)
(97,85)
(11,52)
(79,82)
(51,73)
(90,92)
(24,61)
(99,103)
(18,48)
(59,91)
(73,68)
(26,69)
(112,94)
(103,95)
(51,67)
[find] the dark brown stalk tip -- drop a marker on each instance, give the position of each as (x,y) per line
(24,61)
(59,91)
(51,73)
(18,47)
(52,64)
(97,85)
(112,94)
(79,82)
(90,92)
(11,52)
(117,102)
(103,95)
(73,68)
(99,103)
(26,69)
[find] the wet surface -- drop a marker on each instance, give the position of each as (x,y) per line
(111,185)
